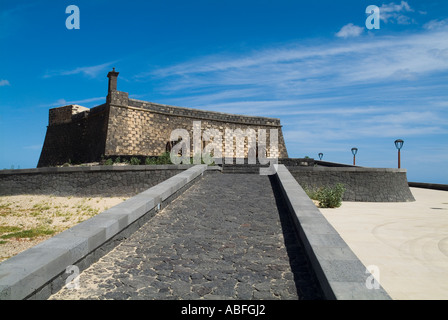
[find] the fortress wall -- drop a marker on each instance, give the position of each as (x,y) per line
(145,128)
(81,139)
(362,184)
(203,114)
(101,181)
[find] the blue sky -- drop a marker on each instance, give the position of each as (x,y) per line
(333,83)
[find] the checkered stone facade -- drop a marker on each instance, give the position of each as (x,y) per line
(129,127)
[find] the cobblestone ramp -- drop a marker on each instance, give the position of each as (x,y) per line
(227,237)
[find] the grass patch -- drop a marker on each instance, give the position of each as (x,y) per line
(164,158)
(135,161)
(109,162)
(5,209)
(9,229)
(30,233)
(42,206)
(5,205)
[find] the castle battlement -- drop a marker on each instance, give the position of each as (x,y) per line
(66,113)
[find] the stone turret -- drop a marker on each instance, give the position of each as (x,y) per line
(112,75)
(115,97)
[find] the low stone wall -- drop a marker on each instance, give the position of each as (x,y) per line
(362,184)
(40,271)
(434,186)
(86,181)
(341,275)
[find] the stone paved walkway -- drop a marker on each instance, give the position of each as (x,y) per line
(227,237)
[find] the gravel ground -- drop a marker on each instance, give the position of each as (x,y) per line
(26,220)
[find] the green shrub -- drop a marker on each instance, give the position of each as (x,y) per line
(109,162)
(135,161)
(149,161)
(328,197)
(331,197)
(207,158)
(164,158)
(312,193)
(117,160)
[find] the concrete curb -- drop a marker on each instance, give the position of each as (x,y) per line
(35,269)
(341,274)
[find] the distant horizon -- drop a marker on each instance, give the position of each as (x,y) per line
(333,82)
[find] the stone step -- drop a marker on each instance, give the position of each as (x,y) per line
(242,168)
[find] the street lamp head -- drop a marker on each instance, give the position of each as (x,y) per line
(320,155)
(354,151)
(399,143)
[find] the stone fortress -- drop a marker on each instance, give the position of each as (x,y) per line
(125,128)
(128,127)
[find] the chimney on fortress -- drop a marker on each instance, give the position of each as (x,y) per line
(115,97)
(112,75)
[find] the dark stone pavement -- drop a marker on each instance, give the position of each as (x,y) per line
(227,237)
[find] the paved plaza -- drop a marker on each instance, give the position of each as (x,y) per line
(407,241)
(226,237)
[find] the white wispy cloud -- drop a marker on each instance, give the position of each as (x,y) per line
(33,147)
(395,13)
(417,118)
(90,71)
(436,24)
(327,129)
(305,69)
(389,13)
(349,30)
(63,102)
(4,82)
(88,100)
(325,94)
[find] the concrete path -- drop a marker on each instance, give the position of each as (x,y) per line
(227,237)
(408,242)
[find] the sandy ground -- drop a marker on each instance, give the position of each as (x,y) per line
(45,215)
(406,241)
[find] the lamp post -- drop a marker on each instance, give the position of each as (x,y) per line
(399,145)
(320,155)
(354,151)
